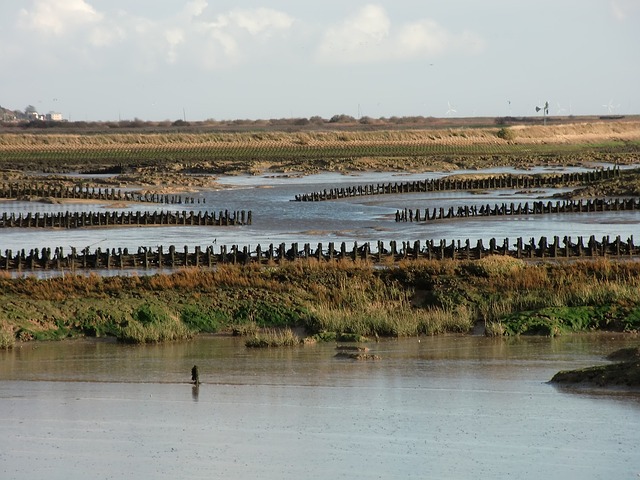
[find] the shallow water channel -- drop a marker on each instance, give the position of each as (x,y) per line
(436,407)
(277,219)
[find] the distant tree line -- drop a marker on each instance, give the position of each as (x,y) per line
(336,121)
(16,119)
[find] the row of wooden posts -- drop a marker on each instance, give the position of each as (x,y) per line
(533,208)
(71,220)
(452,183)
(384,253)
(17,191)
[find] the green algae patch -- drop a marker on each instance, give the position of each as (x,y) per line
(552,321)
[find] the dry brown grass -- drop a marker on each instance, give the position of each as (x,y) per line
(561,134)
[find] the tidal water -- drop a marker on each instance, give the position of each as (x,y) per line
(435,407)
(277,219)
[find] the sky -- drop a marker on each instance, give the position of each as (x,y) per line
(105,60)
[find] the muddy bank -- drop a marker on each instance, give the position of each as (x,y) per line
(625,373)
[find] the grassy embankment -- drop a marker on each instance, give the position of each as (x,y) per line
(510,296)
(314,151)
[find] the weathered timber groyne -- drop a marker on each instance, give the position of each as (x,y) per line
(512,209)
(18,191)
(105,219)
(158,258)
(460,183)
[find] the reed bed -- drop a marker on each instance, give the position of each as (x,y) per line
(273,338)
(156,333)
(394,321)
(509,296)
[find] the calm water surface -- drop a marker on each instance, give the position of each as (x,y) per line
(444,407)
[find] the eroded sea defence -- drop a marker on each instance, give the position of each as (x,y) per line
(499,295)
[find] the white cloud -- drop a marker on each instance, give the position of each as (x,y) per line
(226,37)
(258,21)
(196,7)
(369,36)
(370,24)
(228,43)
(623,9)
(58,17)
(104,36)
(174,37)
(358,38)
(193,34)
(262,20)
(424,37)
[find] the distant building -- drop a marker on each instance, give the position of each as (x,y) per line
(8,116)
(54,116)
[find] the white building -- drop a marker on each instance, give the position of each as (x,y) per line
(54,116)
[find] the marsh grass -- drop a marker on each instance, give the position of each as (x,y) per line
(244,329)
(272,337)
(332,336)
(397,320)
(151,324)
(329,298)
(494,329)
(154,333)
(202,319)
(7,336)
(551,299)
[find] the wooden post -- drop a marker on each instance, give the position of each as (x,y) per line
(210,256)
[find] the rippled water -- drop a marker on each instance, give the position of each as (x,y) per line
(442,407)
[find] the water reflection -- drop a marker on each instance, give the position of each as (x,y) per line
(195,392)
(444,407)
